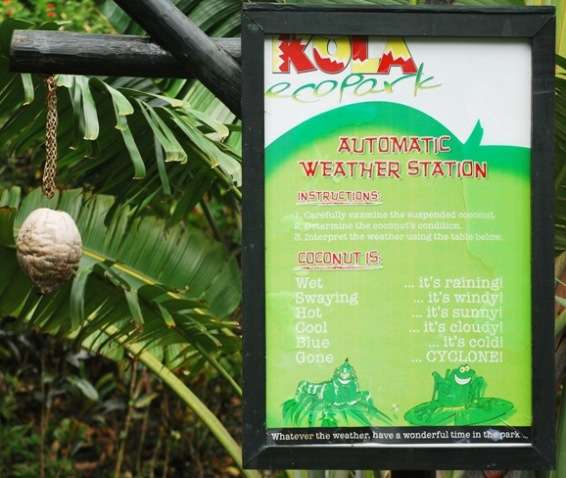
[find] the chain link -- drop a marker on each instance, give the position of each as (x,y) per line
(50,168)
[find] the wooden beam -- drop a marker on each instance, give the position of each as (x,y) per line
(50,52)
(170,28)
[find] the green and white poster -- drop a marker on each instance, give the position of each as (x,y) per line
(397,232)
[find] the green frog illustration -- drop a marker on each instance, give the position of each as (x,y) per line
(458,398)
(459,387)
(326,402)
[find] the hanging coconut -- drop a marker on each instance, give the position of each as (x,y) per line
(49,243)
(49,248)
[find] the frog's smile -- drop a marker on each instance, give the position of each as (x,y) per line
(462,381)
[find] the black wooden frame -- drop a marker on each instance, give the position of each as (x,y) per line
(536,24)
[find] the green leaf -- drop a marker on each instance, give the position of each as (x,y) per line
(84,106)
(86,388)
(77,303)
(163,177)
(29,91)
(10,197)
(122,109)
(173,150)
(200,183)
(134,306)
(560,300)
(145,400)
(167,317)
(7,217)
(230,167)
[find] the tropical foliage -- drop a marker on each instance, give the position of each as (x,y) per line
(158,281)
(79,16)
(150,171)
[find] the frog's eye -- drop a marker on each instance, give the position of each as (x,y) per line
(467,367)
(462,369)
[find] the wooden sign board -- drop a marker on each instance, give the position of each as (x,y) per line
(398,252)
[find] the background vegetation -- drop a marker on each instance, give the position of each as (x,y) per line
(134,369)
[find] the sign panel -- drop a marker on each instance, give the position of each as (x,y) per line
(382,229)
(398,276)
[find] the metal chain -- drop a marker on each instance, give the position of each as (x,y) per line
(50,168)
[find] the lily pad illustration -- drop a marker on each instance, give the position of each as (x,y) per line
(458,399)
(326,403)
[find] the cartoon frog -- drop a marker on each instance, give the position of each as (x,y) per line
(459,387)
(338,397)
(458,398)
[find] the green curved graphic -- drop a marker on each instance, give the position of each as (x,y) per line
(399,119)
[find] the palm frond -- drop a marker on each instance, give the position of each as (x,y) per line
(170,290)
(157,146)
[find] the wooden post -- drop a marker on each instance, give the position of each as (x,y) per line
(169,27)
(51,52)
